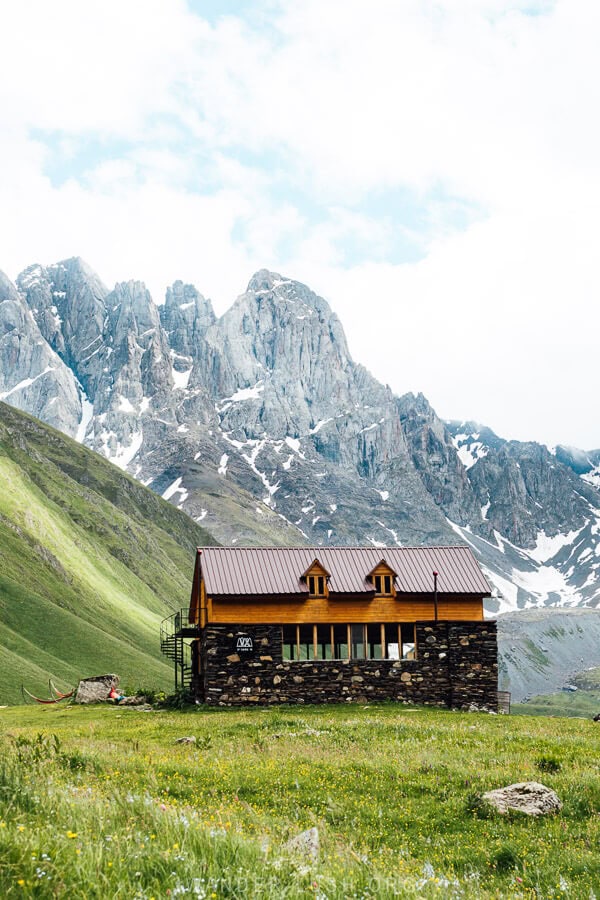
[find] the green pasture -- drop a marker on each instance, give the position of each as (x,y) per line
(101,802)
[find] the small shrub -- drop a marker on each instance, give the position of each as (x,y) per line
(548,764)
(76,761)
(151,695)
(505,860)
(181,699)
(478,807)
(37,749)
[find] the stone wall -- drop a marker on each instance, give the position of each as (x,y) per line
(456,666)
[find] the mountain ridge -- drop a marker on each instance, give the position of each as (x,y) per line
(259,424)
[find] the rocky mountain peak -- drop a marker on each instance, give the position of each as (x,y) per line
(67,300)
(185,316)
(7,289)
(264,281)
(32,376)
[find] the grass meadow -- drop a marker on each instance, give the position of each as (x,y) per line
(101,802)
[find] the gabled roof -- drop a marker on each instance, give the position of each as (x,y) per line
(315,563)
(264,571)
(382,562)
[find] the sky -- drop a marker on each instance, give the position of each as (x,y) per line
(430,167)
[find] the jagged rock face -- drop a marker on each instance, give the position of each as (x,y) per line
(528,492)
(32,376)
(260,425)
(290,402)
(68,303)
(436,460)
(585,464)
(541,520)
(185,317)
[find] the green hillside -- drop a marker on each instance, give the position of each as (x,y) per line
(584,702)
(90,562)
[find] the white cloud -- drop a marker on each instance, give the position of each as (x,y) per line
(207,151)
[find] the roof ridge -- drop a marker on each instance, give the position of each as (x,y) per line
(348,547)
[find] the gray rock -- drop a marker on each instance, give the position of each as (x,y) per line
(305,844)
(186,740)
(529,797)
(96,689)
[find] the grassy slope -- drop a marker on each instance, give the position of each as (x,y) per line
(90,561)
(583,702)
(122,811)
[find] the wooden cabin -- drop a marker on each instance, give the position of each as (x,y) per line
(327,624)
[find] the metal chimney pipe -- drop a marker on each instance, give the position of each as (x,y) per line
(435,596)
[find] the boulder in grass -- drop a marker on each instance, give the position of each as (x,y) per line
(528,797)
(190,739)
(96,689)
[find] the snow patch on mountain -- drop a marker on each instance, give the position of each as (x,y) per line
(547,547)
(469,448)
(592,477)
(87,414)
(251,393)
(125,453)
(25,383)
(177,488)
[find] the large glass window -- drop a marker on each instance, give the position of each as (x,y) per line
(374,641)
(324,642)
(358,641)
(305,638)
(355,641)
(340,642)
(392,649)
(408,639)
(289,644)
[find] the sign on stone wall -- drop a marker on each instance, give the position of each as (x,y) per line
(244,644)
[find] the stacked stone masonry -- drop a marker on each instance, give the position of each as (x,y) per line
(456,667)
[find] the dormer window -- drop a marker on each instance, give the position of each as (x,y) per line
(383,585)
(316,585)
(316,578)
(382,579)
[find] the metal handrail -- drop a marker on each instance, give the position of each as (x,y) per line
(172,624)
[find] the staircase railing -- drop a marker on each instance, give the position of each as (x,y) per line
(173,630)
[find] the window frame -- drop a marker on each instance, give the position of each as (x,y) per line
(343,634)
(383,581)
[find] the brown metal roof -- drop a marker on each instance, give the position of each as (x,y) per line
(247,571)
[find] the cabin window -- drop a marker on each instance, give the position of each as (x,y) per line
(374,641)
(358,641)
(323,642)
(340,642)
(408,640)
(289,642)
(392,648)
(306,641)
(316,585)
(355,641)
(383,584)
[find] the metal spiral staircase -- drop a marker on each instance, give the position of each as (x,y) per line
(174,630)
